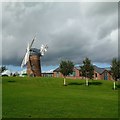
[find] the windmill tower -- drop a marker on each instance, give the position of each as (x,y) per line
(32,59)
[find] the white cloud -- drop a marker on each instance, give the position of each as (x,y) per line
(71,30)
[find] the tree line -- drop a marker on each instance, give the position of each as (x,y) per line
(87,69)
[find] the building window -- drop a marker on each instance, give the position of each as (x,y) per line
(105,76)
(57,74)
(95,74)
(72,74)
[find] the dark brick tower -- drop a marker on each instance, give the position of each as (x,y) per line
(33,65)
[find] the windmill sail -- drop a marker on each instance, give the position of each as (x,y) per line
(43,49)
(32,59)
(26,58)
(32,42)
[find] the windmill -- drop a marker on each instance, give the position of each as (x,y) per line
(32,59)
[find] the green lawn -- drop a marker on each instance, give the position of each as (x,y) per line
(48,98)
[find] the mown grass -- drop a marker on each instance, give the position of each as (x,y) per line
(48,98)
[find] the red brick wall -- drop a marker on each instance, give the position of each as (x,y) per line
(108,75)
(98,76)
(35,61)
(57,74)
(77,72)
(78,75)
(101,76)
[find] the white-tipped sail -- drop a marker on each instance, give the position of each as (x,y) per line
(26,58)
(43,49)
(32,42)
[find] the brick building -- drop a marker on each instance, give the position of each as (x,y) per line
(74,75)
(99,73)
(102,73)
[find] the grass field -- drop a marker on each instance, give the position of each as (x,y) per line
(48,98)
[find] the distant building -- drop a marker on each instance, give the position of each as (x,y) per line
(6,73)
(45,74)
(102,73)
(99,73)
(23,73)
(76,73)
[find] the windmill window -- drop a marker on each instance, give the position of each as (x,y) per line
(33,66)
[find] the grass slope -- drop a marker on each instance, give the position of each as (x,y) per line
(48,98)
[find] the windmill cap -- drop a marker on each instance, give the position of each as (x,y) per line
(35,51)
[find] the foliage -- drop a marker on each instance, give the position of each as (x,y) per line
(87,69)
(3,68)
(66,67)
(115,69)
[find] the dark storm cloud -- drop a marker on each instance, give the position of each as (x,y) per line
(71,30)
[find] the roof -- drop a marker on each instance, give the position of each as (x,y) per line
(35,51)
(56,70)
(99,70)
(108,69)
(49,71)
(77,67)
(6,72)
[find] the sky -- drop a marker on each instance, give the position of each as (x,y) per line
(72,31)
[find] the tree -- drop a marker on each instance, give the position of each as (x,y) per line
(66,68)
(87,70)
(2,69)
(115,70)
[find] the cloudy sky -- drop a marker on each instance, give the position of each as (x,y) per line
(72,30)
